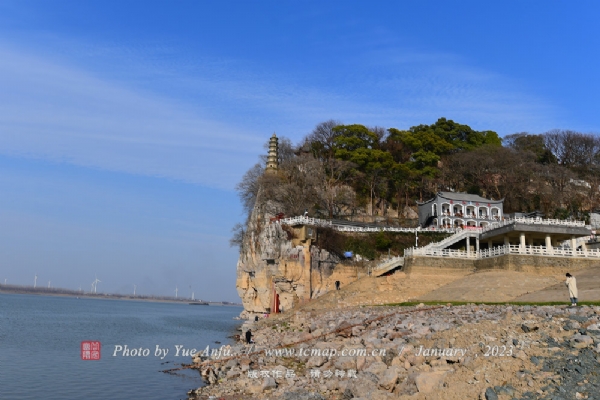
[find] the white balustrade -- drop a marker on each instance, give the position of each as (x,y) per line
(436,249)
(301,220)
(535,221)
(503,250)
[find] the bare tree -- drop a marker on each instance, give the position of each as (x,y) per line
(248,187)
(238,236)
(322,139)
(334,194)
(573,149)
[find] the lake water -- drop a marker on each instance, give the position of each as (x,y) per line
(40,346)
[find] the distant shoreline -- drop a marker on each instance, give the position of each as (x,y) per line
(13,289)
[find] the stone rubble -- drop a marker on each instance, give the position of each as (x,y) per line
(423,352)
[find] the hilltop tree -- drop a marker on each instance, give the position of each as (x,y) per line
(573,149)
(421,148)
(339,166)
(321,142)
(361,146)
(534,144)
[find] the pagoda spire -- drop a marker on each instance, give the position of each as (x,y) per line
(273,157)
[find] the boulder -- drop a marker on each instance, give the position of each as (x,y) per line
(268,384)
(427,382)
(581,341)
(377,368)
(389,378)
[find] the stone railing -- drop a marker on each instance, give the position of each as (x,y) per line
(535,221)
(433,252)
(503,250)
(486,217)
(301,220)
(349,227)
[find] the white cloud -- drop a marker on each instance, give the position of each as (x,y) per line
(205,122)
(60,113)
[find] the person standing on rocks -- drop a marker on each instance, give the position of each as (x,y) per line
(571,283)
(249,336)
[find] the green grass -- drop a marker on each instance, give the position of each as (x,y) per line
(489,303)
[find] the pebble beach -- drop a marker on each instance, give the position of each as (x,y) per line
(423,352)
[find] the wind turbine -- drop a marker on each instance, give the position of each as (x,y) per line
(5,281)
(48,284)
(176,290)
(134,287)
(35,281)
(96,284)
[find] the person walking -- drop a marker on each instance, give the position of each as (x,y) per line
(571,283)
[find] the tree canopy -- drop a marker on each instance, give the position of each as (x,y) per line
(339,170)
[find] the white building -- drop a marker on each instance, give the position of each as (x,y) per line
(449,209)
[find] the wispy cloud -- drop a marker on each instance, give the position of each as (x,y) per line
(204,121)
(52,111)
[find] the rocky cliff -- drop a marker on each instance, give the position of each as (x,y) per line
(282,262)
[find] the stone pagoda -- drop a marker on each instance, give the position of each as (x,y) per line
(273,157)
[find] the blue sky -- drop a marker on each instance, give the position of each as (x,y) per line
(125,125)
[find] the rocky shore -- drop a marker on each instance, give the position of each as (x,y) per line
(423,352)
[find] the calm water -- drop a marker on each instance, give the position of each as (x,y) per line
(40,341)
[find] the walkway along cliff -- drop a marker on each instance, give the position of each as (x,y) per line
(279,267)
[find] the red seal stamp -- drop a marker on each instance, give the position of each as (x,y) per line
(90,350)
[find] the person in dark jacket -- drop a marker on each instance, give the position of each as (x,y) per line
(249,336)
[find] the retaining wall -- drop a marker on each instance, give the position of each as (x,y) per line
(510,262)
(437,265)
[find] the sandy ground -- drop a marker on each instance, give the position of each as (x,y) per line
(396,288)
(492,286)
(588,285)
(488,286)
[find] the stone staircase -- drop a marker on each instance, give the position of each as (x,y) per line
(450,240)
(387,265)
